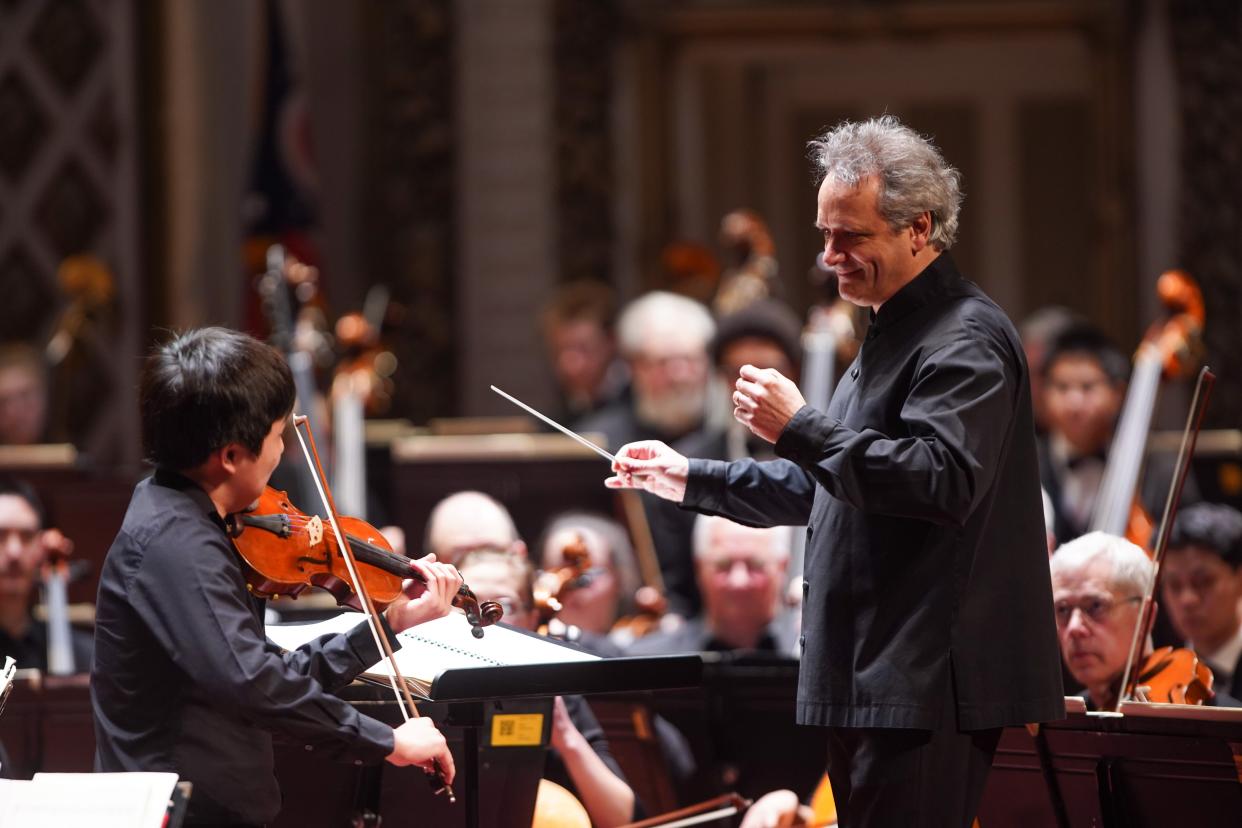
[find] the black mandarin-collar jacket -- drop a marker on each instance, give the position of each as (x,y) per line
(926,564)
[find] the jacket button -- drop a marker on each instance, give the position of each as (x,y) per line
(806,587)
(802,642)
(854,373)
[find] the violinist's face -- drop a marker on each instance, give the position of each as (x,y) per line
(20,550)
(1081,402)
(1095,624)
(871,260)
(592,606)
(1202,594)
(252,472)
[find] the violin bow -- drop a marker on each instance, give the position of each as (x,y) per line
(401,690)
(1194,421)
(722,806)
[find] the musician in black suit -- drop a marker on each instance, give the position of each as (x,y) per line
(1201,587)
(1084,384)
(927,620)
(24,545)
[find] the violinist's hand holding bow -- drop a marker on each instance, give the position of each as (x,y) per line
(651,466)
(424,602)
(765,400)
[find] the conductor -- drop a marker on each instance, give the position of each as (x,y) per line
(927,612)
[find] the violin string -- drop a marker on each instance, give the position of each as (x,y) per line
(372,622)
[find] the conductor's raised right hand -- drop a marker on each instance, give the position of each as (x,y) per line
(653,467)
(417,742)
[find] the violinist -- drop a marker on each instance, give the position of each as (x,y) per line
(1098,584)
(740,571)
(25,545)
(1201,585)
(184,679)
(604,594)
(1083,383)
(581,759)
(925,553)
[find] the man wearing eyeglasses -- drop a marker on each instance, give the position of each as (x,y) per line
(1098,583)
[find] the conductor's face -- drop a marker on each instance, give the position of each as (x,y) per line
(871,260)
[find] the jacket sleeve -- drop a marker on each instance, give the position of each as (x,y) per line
(956,418)
(770,493)
(194,602)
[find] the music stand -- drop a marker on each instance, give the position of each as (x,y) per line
(1150,765)
(466,702)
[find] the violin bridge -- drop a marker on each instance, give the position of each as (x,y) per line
(314,529)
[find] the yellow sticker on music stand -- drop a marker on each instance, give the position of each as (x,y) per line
(517,730)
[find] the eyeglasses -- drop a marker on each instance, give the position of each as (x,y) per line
(1094,607)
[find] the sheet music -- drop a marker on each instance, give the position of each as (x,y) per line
(447,643)
(100,800)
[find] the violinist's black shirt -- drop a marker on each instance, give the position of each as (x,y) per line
(184,679)
(926,565)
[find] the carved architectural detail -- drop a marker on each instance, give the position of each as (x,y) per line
(68,183)
(408,196)
(1207,49)
(66,41)
(23,126)
(584,35)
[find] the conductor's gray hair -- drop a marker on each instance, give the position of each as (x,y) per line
(1131,569)
(658,312)
(912,173)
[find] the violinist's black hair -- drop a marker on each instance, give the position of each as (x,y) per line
(207,388)
(1216,527)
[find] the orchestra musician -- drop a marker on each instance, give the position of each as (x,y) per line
(581,759)
(927,617)
(1084,384)
(740,571)
(184,679)
(23,396)
(25,544)
(466,521)
(1201,585)
(579,332)
(1098,584)
(605,593)
(663,338)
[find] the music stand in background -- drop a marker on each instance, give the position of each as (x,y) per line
(1152,765)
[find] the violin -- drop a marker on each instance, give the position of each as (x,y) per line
(287,551)
(552,585)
